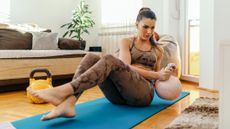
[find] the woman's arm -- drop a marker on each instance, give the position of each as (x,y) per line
(150,75)
(124,52)
(159,54)
(159,59)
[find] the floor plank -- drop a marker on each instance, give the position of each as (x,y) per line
(15,106)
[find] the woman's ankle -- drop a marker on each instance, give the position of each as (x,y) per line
(65,89)
(72,99)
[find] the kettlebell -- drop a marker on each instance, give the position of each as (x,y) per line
(39,84)
(169,89)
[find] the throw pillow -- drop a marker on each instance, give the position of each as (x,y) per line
(14,39)
(171,52)
(64,43)
(4,25)
(45,41)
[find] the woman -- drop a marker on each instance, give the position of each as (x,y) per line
(126,80)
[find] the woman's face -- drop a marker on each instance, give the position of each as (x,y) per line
(145,28)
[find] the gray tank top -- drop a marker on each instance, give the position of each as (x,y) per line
(146,58)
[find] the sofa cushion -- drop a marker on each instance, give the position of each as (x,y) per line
(4,25)
(29,27)
(171,51)
(45,41)
(64,43)
(13,39)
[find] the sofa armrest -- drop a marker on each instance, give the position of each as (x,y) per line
(14,39)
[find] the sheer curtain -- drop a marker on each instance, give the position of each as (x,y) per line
(118,21)
(4,11)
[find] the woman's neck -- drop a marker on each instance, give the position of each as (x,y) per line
(141,41)
(143,45)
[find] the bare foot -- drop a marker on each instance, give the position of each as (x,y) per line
(55,95)
(65,109)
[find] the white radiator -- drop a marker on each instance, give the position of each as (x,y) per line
(110,36)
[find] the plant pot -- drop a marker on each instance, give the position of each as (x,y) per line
(82,44)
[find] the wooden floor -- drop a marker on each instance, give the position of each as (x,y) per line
(15,106)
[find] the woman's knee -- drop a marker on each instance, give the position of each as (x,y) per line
(90,59)
(92,56)
(109,57)
(113,61)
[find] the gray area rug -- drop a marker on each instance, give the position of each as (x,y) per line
(202,114)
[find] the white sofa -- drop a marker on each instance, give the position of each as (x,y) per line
(19,55)
(16,65)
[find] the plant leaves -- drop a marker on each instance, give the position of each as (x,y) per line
(81,20)
(65,25)
(65,34)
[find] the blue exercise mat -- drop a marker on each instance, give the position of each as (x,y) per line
(99,114)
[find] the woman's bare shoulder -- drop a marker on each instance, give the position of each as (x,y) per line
(126,41)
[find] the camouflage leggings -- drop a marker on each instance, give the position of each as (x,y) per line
(119,83)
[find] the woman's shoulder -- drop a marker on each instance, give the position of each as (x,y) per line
(127,41)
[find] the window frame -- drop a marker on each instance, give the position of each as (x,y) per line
(184,33)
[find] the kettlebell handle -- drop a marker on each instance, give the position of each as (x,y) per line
(41,70)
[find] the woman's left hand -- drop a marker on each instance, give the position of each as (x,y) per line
(172,68)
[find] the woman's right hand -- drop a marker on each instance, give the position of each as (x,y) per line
(164,74)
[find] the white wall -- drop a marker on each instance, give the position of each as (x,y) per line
(221,58)
(92,39)
(174,17)
(157,7)
(51,14)
(168,15)
(221,33)
(225,82)
(207,44)
(215,25)
(4,11)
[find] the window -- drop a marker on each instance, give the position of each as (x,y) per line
(119,12)
(193,37)
(4,11)
(191,50)
(194,49)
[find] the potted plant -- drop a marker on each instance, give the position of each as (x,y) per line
(81,21)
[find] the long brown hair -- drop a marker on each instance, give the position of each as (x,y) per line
(146,12)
